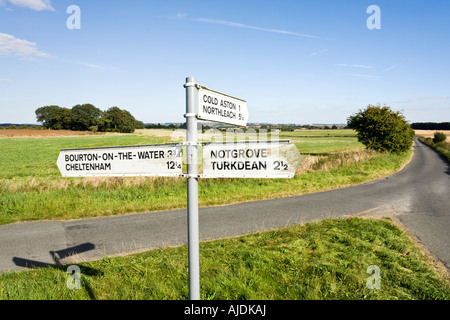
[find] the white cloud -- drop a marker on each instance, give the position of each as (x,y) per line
(353,66)
(364,76)
(429,98)
(391,67)
(245,26)
(12,46)
(97,67)
(318,52)
(37,5)
(5,80)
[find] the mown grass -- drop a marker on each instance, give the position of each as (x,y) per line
(323,142)
(320,260)
(319,133)
(31,187)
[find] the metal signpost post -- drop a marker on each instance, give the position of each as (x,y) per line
(192,189)
(245,159)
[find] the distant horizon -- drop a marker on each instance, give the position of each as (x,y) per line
(217,124)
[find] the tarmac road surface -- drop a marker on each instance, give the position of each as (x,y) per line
(418,196)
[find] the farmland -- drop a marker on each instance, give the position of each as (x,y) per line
(443,147)
(31,187)
(430,133)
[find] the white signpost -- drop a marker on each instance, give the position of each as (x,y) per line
(247,159)
(220,107)
(163,160)
(252,159)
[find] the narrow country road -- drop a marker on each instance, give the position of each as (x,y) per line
(418,196)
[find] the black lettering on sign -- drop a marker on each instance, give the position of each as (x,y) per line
(239,165)
(210,100)
(228,104)
(88,166)
(108,156)
(280,165)
(239,153)
(81,157)
(125,155)
(219,112)
(153,154)
(172,165)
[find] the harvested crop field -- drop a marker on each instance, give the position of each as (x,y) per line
(430,133)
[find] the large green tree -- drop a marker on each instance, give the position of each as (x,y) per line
(54,117)
(117,120)
(85,116)
(382,129)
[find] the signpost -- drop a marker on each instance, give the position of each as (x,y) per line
(252,159)
(192,189)
(246,159)
(164,160)
(220,107)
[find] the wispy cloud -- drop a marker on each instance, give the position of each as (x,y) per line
(38,5)
(363,76)
(5,80)
(318,52)
(97,67)
(391,67)
(428,98)
(246,26)
(354,66)
(12,46)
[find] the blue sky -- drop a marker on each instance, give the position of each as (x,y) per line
(302,62)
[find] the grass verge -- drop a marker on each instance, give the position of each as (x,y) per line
(443,148)
(319,260)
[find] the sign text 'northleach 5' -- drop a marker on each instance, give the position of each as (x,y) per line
(146,160)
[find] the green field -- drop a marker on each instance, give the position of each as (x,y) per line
(31,187)
(319,133)
(320,260)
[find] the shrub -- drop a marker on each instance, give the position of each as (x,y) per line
(439,137)
(382,129)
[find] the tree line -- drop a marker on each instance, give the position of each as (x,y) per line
(86,117)
(431,125)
